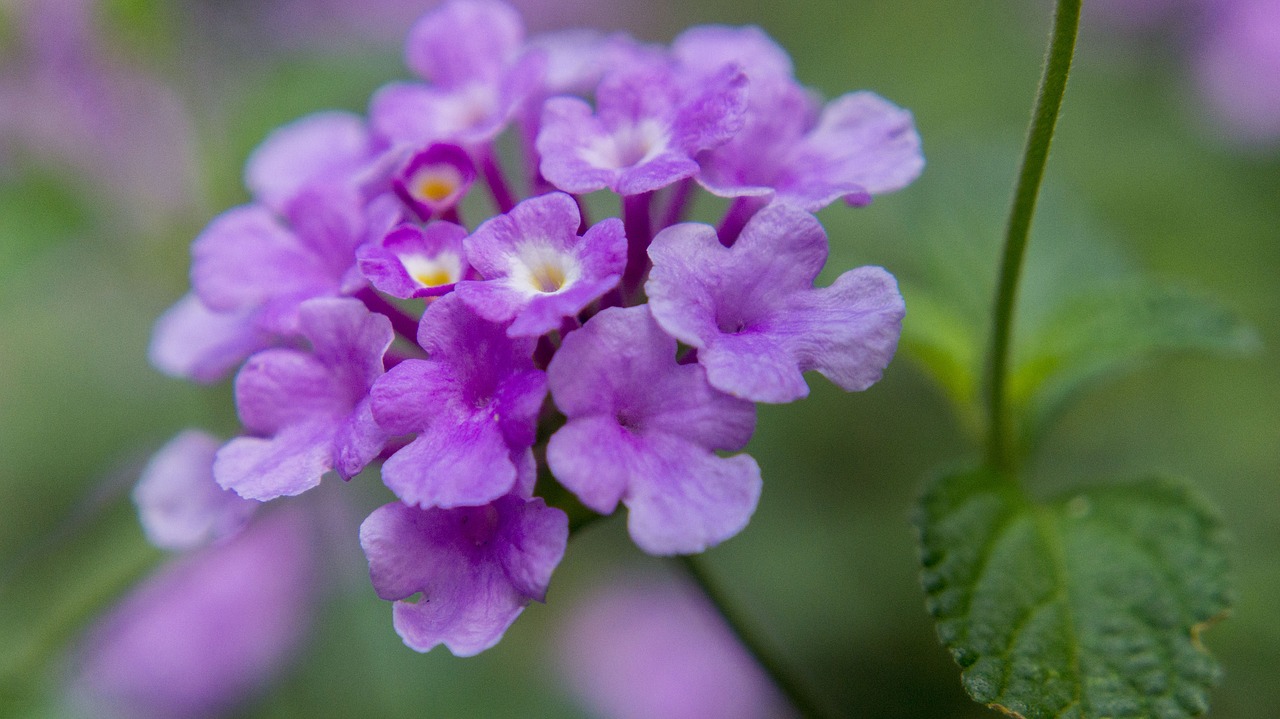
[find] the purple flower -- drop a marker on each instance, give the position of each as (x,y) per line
(649,125)
(861,144)
(472,51)
(204,632)
(327,148)
(1239,69)
(247,259)
(435,180)
(416,262)
(310,410)
(644,430)
(179,503)
(754,315)
(473,404)
(476,568)
(638,650)
(537,270)
(194,342)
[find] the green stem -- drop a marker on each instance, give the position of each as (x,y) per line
(1053,84)
(785,680)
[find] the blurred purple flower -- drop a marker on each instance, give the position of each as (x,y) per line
(179,503)
(65,99)
(204,632)
(643,649)
(1238,68)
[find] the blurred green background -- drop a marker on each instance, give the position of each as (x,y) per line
(99,202)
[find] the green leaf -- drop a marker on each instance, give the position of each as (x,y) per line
(1109,329)
(1086,607)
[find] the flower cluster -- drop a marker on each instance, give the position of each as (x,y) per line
(480,365)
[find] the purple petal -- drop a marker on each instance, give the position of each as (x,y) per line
(754,315)
(405,400)
(279,387)
(324,147)
(193,342)
(456,461)
(755,366)
(863,140)
(852,328)
(179,503)
(583,455)
(416,262)
(349,340)
(358,441)
(245,257)
(289,463)
(476,567)
(569,135)
(622,364)
(681,498)
(707,49)
(464,41)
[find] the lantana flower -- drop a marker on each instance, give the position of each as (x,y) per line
(652,338)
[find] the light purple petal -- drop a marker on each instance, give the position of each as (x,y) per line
(179,503)
(475,567)
(862,140)
(193,342)
(245,258)
(289,463)
(569,127)
(583,455)
(622,364)
(324,147)
(638,648)
(852,328)
(464,41)
(706,49)
(456,461)
(358,441)
(349,340)
(279,387)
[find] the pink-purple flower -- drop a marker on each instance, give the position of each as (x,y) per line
(644,430)
(473,405)
(536,270)
(461,576)
(652,338)
(308,412)
(756,319)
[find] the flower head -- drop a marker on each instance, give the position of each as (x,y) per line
(416,262)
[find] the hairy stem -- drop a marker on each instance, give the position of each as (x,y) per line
(1053,84)
(782,676)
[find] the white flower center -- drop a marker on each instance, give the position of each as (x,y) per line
(537,269)
(627,146)
(443,269)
